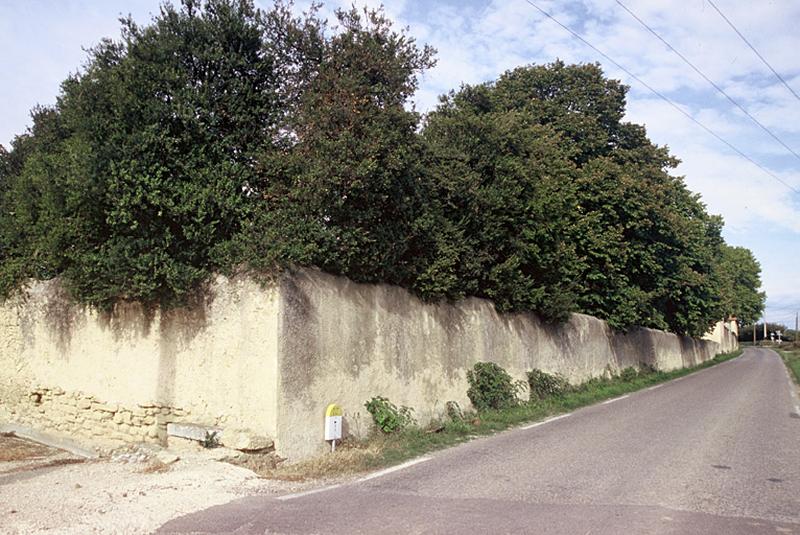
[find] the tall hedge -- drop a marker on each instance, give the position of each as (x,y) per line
(221,137)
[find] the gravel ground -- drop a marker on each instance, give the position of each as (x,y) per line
(48,491)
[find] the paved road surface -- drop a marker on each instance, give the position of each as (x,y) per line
(714,452)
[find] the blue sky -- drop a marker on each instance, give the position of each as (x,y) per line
(476,41)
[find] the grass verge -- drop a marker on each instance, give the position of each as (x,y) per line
(380,450)
(791,356)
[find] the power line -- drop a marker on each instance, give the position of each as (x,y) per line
(709,80)
(764,61)
(664,98)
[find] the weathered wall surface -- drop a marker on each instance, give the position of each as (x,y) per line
(726,334)
(344,342)
(123,376)
(271,359)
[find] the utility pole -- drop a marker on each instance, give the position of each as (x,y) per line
(755,326)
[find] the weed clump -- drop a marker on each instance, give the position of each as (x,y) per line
(387,416)
(543,385)
(628,374)
(211,440)
(491,387)
(453,411)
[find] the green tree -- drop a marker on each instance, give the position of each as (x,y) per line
(504,189)
(348,193)
(740,279)
(221,136)
(158,139)
(560,206)
(33,195)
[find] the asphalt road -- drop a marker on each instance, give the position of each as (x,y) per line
(714,452)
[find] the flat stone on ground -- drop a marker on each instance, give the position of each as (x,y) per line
(245,440)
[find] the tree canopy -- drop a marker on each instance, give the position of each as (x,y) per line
(222,137)
(740,277)
(575,209)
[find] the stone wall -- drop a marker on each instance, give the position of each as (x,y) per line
(270,359)
(123,376)
(344,342)
(726,334)
(81,416)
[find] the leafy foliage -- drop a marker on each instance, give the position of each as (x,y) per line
(543,385)
(137,178)
(628,374)
(559,206)
(453,411)
(505,196)
(387,416)
(348,197)
(222,137)
(491,387)
(740,276)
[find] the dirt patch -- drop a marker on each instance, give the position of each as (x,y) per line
(154,467)
(350,458)
(46,490)
(131,492)
(22,455)
(13,448)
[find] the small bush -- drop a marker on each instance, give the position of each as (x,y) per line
(544,385)
(590,384)
(211,440)
(453,411)
(629,374)
(491,387)
(647,369)
(387,416)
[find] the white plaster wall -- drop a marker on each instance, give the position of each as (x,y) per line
(342,342)
(726,334)
(271,358)
(216,359)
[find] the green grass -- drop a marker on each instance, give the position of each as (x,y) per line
(792,359)
(381,450)
(416,441)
